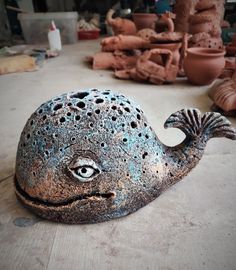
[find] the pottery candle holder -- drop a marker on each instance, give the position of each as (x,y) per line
(91,156)
(203,65)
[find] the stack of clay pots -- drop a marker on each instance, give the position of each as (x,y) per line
(204,25)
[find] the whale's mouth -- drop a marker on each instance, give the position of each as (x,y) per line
(95,196)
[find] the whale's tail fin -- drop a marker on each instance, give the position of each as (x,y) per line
(202,126)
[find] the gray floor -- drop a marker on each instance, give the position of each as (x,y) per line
(190,226)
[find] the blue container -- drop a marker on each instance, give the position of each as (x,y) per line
(162,6)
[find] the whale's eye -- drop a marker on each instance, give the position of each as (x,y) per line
(84,169)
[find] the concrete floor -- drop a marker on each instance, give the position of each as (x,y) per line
(190,226)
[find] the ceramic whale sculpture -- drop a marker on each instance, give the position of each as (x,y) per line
(91,156)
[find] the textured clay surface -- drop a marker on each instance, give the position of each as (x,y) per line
(91,156)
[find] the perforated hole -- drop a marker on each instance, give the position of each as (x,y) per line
(114,107)
(68,114)
(81,104)
(44,117)
(133,124)
(106,93)
(34,173)
(58,106)
(91,125)
(28,136)
(146,136)
(97,111)
(69,104)
(138,117)
(127,109)
(40,111)
(99,100)
(125,140)
(31,122)
(113,99)
(62,119)
(113,118)
(102,144)
(144,155)
(77,117)
(89,114)
(80,95)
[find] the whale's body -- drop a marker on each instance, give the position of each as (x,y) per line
(91,156)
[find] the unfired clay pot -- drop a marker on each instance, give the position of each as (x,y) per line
(203,65)
(145,20)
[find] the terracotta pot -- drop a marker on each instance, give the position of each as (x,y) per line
(203,65)
(145,20)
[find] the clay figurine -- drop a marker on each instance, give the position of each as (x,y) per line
(154,66)
(167,19)
(114,60)
(205,25)
(183,9)
(121,42)
(87,157)
(120,25)
(223,95)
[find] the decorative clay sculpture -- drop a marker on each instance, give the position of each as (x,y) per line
(88,157)
(154,66)
(120,25)
(205,25)
(223,95)
(114,60)
(183,9)
(121,42)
